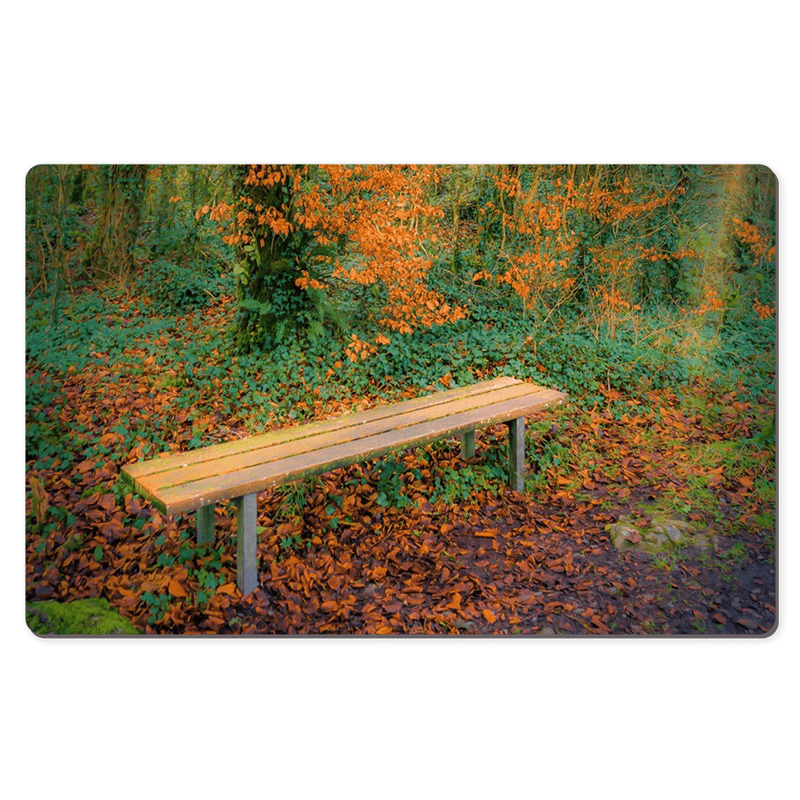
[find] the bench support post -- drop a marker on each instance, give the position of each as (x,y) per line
(205,524)
(246,544)
(468,445)
(516,453)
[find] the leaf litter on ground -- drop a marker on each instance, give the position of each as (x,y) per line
(415,550)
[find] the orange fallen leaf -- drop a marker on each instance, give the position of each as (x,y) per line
(107,502)
(112,528)
(489,616)
(176,589)
(598,622)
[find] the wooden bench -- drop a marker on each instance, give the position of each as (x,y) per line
(196,480)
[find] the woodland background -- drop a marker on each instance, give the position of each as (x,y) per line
(175,306)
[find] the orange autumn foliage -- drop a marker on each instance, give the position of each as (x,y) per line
(378,211)
(366,221)
(762,253)
(756,241)
(712,302)
(540,267)
(763,310)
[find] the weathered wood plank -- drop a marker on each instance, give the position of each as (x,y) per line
(437,415)
(253,479)
(133,472)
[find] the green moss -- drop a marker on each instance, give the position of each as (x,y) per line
(80,617)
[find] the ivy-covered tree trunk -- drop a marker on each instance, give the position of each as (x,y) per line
(269,246)
(48,209)
(109,254)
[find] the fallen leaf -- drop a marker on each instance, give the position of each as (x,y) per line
(107,502)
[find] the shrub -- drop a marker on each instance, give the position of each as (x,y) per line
(180,289)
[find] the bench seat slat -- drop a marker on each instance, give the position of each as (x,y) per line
(181,474)
(169,462)
(188,497)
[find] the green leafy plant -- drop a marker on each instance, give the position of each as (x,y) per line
(294,542)
(181,289)
(457,485)
(391,484)
(208,582)
(157,605)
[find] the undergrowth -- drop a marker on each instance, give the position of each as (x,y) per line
(188,356)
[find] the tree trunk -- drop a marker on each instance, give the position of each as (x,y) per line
(270,302)
(110,252)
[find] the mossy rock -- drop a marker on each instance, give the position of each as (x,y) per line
(92,616)
(661,533)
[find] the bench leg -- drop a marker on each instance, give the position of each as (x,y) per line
(246,544)
(205,524)
(468,445)
(516,454)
